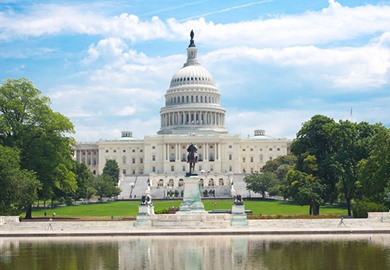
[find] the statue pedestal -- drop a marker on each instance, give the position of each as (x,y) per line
(145,215)
(192,198)
(239,218)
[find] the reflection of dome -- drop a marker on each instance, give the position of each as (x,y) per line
(192,102)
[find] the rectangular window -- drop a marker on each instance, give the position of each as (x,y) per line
(172,168)
(243,160)
(133,160)
(141,160)
(230,156)
(251,159)
(153,169)
(153,158)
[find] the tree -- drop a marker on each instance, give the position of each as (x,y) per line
(84,179)
(18,187)
(314,138)
(40,134)
(280,167)
(305,188)
(111,169)
(353,144)
(105,187)
(261,182)
(339,149)
(374,172)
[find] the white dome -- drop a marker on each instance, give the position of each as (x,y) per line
(194,74)
(192,102)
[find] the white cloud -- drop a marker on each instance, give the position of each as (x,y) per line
(350,68)
(333,23)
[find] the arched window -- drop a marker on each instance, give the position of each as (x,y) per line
(201,182)
(221,182)
(181,182)
(170,183)
(211,182)
(160,183)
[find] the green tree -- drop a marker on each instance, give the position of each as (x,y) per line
(105,187)
(41,135)
(84,180)
(111,169)
(261,182)
(305,189)
(353,144)
(280,167)
(315,139)
(18,187)
(374,172)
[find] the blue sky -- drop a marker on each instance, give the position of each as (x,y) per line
(107,64)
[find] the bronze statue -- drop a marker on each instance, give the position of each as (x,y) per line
(192,34)
(192,157)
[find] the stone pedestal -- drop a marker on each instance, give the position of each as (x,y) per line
(192,198)
(239,218)
(145,215)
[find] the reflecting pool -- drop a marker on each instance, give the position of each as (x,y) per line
(198,252)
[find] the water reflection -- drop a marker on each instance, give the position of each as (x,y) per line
(190,252)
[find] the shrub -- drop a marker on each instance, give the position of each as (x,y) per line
(361,208)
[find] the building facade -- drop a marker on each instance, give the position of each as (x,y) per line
(192,114)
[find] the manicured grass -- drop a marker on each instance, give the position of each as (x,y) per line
(130,208)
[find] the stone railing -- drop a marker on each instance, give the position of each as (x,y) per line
(9,219)
(379,215)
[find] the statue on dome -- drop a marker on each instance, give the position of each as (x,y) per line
(192,158)
(192,34)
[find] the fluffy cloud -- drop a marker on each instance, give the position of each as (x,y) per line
(348,68)
(321,27)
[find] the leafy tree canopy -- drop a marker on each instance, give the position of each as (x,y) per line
(111,169)
(261,182)
(18,187)
(41,136)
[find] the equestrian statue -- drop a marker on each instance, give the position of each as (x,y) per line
(192,158)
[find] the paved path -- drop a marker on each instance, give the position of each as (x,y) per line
(261,227)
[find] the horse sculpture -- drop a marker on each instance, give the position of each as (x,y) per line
(192,157)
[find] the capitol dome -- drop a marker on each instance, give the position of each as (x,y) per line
(192,102)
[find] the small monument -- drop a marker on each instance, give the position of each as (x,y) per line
(145,211)
(239,218)
(192,196)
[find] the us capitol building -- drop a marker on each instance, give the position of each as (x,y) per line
(192,114)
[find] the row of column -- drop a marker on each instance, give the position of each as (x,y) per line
(192,99)
(192,118)
(205,152)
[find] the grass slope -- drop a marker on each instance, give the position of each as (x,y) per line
(130,208)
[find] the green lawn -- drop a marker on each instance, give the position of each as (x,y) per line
(130,208)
